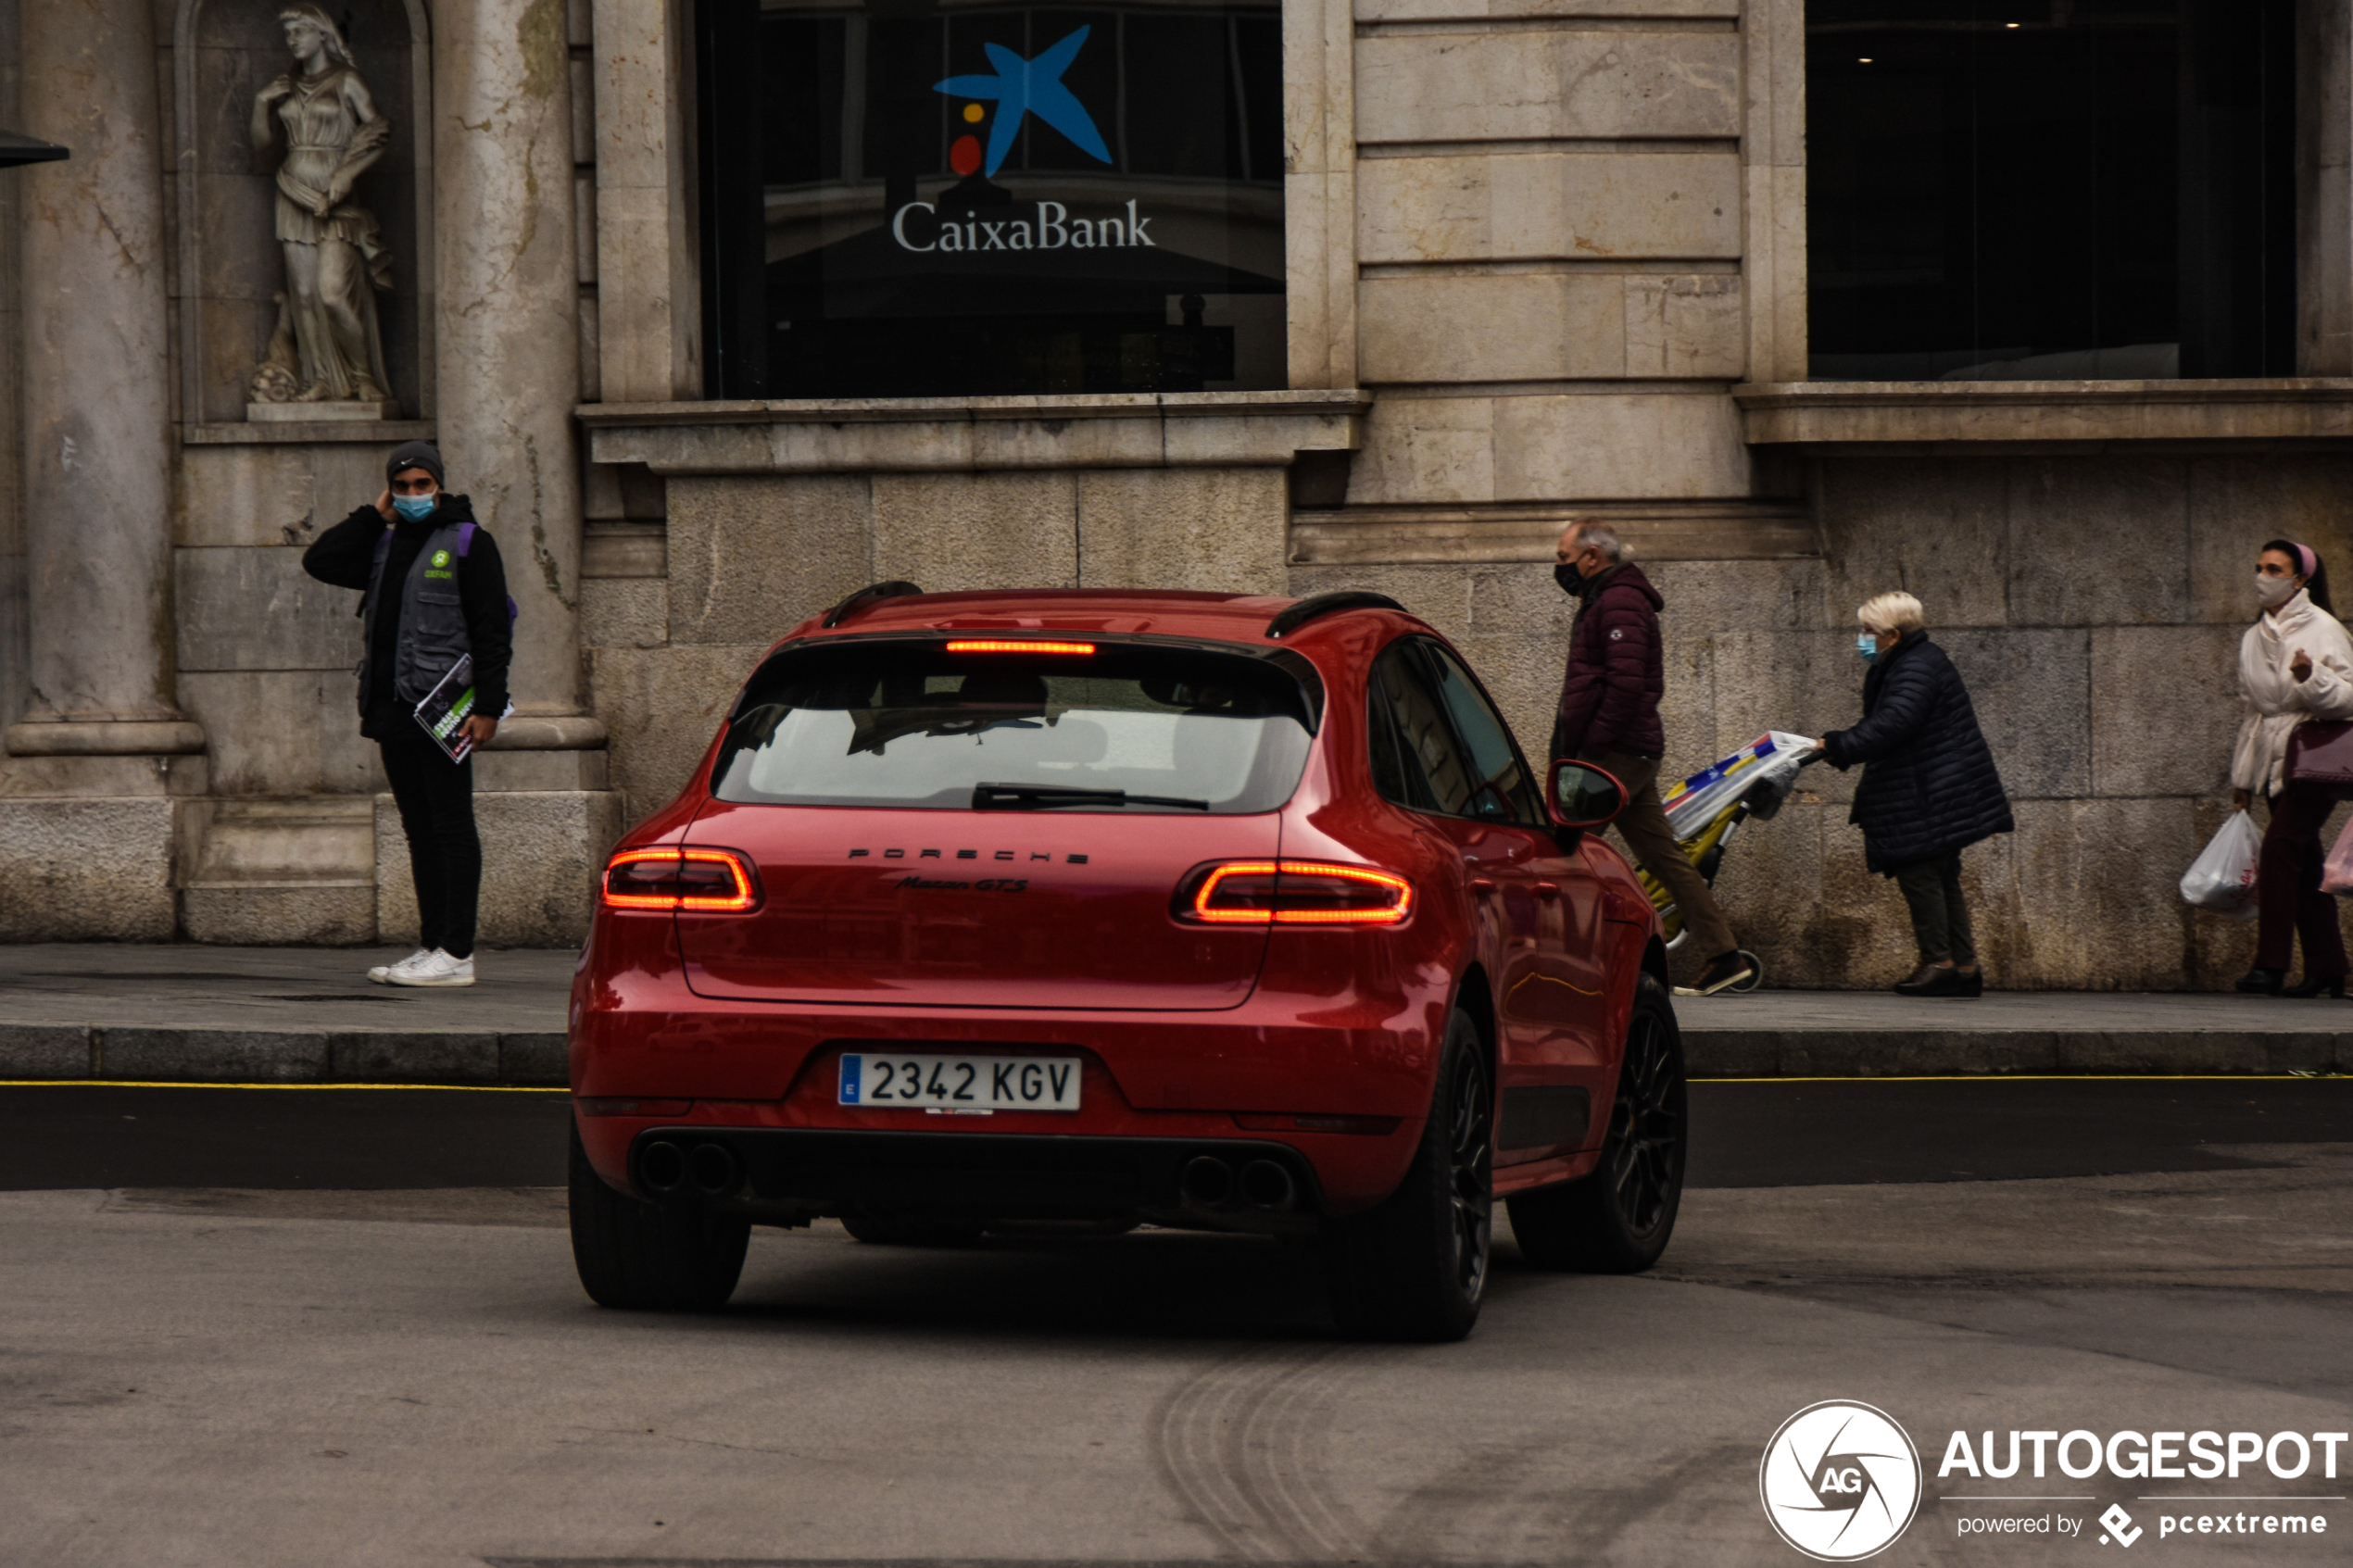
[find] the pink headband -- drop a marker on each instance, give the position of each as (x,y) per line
(2311,562)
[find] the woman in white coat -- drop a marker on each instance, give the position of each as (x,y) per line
(2296,664)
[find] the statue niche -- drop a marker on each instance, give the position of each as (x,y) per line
(326,357)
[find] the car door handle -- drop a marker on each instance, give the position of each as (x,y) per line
(1548,890)
(1480,887)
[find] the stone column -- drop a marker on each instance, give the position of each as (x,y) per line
(97,415)
(509,339)
(507,348)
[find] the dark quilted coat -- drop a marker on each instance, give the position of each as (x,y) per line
(1609,698)
(1928,784)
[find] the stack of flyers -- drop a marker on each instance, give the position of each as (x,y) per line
(448,705)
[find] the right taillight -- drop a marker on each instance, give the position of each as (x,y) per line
(694,879)
(1294,893)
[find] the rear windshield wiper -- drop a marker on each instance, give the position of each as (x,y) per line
(1032,798)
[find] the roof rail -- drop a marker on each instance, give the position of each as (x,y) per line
(1295,616)
(866,596)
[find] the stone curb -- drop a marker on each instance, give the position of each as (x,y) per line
(1861,1053)
(71,1052)
(67,1052)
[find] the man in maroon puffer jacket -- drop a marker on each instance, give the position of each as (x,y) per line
(1609,717)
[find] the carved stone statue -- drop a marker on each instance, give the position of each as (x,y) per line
(327,348)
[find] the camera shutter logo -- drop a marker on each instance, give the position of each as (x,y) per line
(1840,1481)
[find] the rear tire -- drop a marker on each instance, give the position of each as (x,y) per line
(651,1256)
(1617,1220)
(1414,1268)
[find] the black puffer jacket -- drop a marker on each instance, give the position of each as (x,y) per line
(1930,787)
(1609,698)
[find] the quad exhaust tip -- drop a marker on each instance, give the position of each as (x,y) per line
(662,1167)
(1208,1182)
(710,1168)
(1267,1185)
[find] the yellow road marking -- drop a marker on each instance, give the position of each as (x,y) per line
(2047,1078)
(167,1084)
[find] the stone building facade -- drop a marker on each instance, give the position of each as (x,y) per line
(1523,259)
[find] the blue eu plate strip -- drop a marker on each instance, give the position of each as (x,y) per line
(852,1069)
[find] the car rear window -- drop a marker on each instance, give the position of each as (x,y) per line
(1126,728)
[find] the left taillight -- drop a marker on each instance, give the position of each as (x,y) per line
(695,879)
(1294,893)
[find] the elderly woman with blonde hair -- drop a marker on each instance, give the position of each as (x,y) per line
(1928,788)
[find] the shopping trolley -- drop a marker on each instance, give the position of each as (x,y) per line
(1706,810)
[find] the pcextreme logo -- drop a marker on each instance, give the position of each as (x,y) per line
(1020,89)
(1840,1481)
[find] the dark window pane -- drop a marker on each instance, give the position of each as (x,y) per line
(2037,190)
(1438,776)
(952,199)
(1502,790)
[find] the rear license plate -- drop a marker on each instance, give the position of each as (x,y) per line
(960,1082)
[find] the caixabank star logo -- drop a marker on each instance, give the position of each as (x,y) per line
(1019,88)
(1840,1481)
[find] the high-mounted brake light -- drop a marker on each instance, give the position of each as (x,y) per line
(1015,645)
(694,879)
(1295,893)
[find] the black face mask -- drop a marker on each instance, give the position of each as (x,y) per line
(1571,582)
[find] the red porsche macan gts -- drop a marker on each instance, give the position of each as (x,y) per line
(1103,909)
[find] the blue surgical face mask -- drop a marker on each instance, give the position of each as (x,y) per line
(1866,644)
(416,508)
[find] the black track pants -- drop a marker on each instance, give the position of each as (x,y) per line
(437,800)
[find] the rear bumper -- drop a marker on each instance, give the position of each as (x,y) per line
(1214,1183)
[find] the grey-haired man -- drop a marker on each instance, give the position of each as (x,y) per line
(1609,717)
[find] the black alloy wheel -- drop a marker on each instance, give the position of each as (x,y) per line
(1644,1149)
(1470,1170)
(1415,1267)
(1617,1220)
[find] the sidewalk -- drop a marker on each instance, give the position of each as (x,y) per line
(308,1015)
(275,1015)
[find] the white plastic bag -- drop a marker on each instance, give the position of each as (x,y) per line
(2222,877)
(2336,872)
(1694,802)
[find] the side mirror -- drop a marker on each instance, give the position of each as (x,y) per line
(1580,795)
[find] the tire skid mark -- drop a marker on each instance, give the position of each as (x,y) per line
(1239,1445)
(1505,1505)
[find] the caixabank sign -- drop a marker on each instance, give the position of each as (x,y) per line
(966,200)
(1840,1480)
(1000,103)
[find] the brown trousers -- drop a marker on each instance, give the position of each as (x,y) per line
(1643,827)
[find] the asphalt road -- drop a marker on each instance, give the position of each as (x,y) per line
(1753,1133)
(307,1326)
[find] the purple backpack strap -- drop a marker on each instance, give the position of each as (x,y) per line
(465,542)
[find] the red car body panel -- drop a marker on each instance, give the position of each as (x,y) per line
(1184,1031)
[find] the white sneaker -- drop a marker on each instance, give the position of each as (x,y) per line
(382,974)
(436,968)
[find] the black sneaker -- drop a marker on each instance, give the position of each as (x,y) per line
(1723,971)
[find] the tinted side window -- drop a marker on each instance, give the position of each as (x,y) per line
(1502,789)
(1431,771)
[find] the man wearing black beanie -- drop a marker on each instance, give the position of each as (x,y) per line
(435,592)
